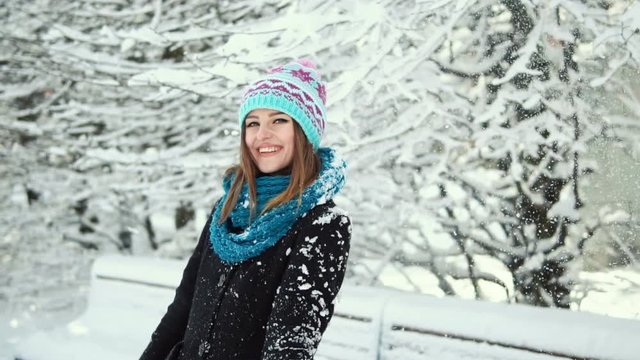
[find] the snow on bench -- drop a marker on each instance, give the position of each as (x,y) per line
(413,326)
(129,295)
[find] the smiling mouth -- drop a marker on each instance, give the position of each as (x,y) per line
(267,151)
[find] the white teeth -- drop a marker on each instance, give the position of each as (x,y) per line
(268,149)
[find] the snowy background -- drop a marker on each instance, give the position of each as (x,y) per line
(493,146)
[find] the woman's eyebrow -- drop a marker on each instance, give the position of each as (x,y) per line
(272,114)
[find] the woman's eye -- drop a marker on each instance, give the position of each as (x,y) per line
(281,120)
(251,123)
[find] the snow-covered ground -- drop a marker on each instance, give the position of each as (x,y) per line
(397,325)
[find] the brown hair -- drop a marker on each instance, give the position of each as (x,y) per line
(305,167)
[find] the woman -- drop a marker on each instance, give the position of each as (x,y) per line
(262,280)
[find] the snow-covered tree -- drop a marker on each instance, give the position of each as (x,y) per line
(481,113)
(493,138)
(464,123)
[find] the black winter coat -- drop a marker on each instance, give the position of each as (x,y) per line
(274,306)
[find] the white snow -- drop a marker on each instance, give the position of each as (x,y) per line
(178,77)
(305,286)
(566,205)
(123,313)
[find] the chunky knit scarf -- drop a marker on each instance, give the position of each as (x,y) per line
(261,233)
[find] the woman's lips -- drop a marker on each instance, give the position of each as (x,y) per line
(269,153)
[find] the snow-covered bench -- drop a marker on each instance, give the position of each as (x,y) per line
(129,295)
(372,323)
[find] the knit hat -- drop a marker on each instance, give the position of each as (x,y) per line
(295,89)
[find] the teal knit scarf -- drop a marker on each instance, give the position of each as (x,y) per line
(261,233)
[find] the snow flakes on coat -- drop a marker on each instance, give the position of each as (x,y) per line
(273,306)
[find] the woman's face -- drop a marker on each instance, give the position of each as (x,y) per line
(269,136)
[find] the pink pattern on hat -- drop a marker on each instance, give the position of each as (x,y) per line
(276,69)
(265,86)
(300,89)
(307,63)
(302,75)
(322,93)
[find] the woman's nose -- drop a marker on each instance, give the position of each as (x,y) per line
(263,132)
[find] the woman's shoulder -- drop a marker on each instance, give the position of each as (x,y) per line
(325,231)
(326,215)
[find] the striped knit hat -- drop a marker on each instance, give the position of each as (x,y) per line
(295,89)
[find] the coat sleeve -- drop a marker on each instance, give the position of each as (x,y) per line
(171,329)
(304,301)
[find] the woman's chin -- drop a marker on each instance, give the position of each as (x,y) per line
(274,170)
